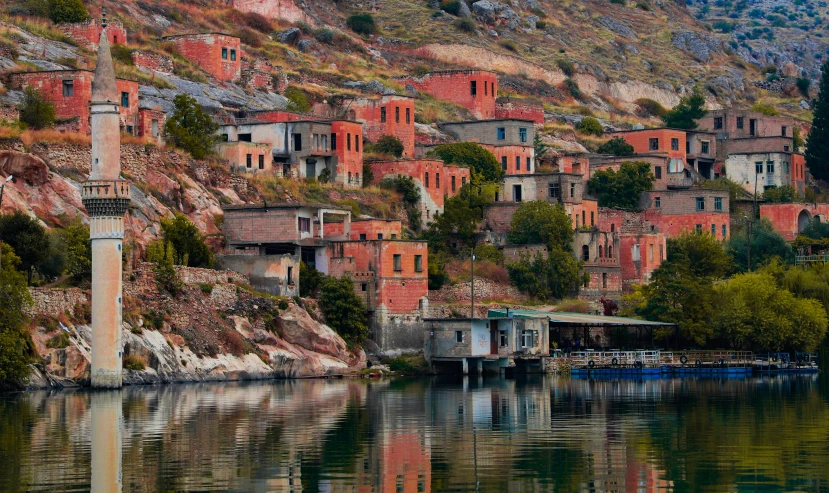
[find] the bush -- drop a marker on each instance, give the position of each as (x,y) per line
(187,242)
(509,45)
(541,25)
(309,280)
(166,278)
(59,341)
(649,107)
(451,6)
(325,35)
(27,238)
(258,22)
(67,11)
(489,253)
(368,175)
(765,109)
(35,111)
(590,126)
(249,37)
(466,25)
(803,84)
(206,288)
(389,145)
(469,154)
(616,146)
(566,66)
(190,128)
(122,54)
(133,363)
(283,305)
(572,88)
(298,100)
(344,311)
(619,2)
(362,24)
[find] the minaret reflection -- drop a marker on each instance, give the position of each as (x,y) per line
(106,426)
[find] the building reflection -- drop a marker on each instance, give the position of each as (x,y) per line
(105,428)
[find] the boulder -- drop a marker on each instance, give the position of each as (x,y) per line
(789,69)
(289,36)
(616,27)
(25,166)
(295,326)
(805,104)
(305,46)
(700,46)
(411,91)
(464,10)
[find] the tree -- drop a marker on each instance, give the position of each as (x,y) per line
(781,195)
(344,311)
(766,244)
(297,99)
(187,242)
(616,146)
(78,250)
(461,216)
(622,188)
(540,147)
(309,280)
(405,186)
(705,256)
(35,110)
(817,145)
(368,175)
(590,126)
(362,24)
(685,114)
(481,161)
(162,253)
(67,11)
(27,238)
(14,341)
(389,145)
(191,128)
(541,222)
(554,276)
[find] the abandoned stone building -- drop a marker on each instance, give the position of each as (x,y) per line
(475,90)
(568,189)
(88,33)
(368,228)
(791,219)
(511,141)
(599,250)
(690,210)
(642,245)
(385,115)
(218,54)
(70,91)
(519,109)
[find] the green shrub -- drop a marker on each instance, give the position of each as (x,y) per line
(803,84)
(344,311)
(389,145)
(489,253)
(616,146)
(191,128)
(572,87)
(509,45)
(298,100)
(133,363)
(619,2)
(541,25)
(61,11)
(187,242)
(35,110)
(362,24)
(59,341)
(451,6)
(121,54)
(206,288)
(309,280)
(566,66)
(643,6)
(325,35)
(765,109)
(283,304)
(649,107)
(466,25)
(590,126)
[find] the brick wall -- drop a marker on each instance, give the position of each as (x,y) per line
(498,217)
(257,74)
(425,173)
(388,115)
(680,215)
(523,109)
(152,61)
(389,228)
(349,160)
(89,33)
(790,219)
(54,302)
(514,159)
(214,53)
(259,226)
(513,253)
(485,289)
(456,86)
(640,140)
(151,123)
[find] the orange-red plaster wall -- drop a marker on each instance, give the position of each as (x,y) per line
(349,158)
(584,214)
(456,86)
(790,219)
(389,115)
(205,50)
(371,228)
(514,160)
(640,140)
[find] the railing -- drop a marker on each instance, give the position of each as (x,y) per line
(810,259)
(660,358)
(680,181)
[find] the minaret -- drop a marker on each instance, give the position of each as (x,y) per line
(106,198)
(106,427)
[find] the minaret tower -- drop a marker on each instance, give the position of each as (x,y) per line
(106,197)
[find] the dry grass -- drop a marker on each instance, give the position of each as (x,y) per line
(460,271)
(30,137)
(573,306)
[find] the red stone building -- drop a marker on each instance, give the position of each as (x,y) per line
(70,91)
(368,229)
(386,115)
(642,246)
(520,109)
(435,179)
(668,141)
(246,157)
(89,33)
(511,141)
(218,54)
(475,90)
(692,210)
(599,250)
(791,219)
(349,157)
(151,123)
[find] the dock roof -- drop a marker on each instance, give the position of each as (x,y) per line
(580,319)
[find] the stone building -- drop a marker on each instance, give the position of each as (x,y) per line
(791,219)
(435,180)
(274,274)
(567,189)
(693,210)
(89,33)
(701,153)
(511,141)
(665,141)
(642,245)
(761,171)
(368,229)
(151,123)
(70,91)
(599,250)
(519,109)
(218,54)
(659,164)
(385,115)
(475,90)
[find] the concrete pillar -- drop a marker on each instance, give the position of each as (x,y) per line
(464,367)
(106,441)
(479,366)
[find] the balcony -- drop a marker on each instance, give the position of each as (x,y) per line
(679,180)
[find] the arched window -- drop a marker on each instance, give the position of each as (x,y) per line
(604,280)
(609,251)
(612,228)
(585,253)
(600,251)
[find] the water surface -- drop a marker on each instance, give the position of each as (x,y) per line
(430,434)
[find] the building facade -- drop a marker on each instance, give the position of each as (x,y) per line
(385,115)
(218,54)
(475,90)
(511,141)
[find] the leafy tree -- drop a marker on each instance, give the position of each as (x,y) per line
(541,222)
(481,161)
(27,238)
(67,11)
(554,276)
(362,24)
(816,229)
(14,341)
(35,110)
(344,311)
(590,126)
(405,186)
(437,270)
(162,253)
(766,244)
(461,216)
(817,145)
(705,255)
(388,144)
(187,242)
(309,280)
(191,128)
(622,188)
(685,114)
(781,195)
(540,147)
(368,175)
(78,250)
(488,253)
(297,99)
(616,146)
(54,264)
(797,139)
(803,84)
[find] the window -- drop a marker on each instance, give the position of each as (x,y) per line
(657,202)
(333,142)
(459,336)
(572,190)
(463,180)
(517,163)
(224,53)
(784,131)
(554,190)
(452,179)
(635,253)
(426,180)
(473,88)
(786,148)
(68,88)
(516,193)
(261,161)
(604,280)
(724,230)
(348,142)
(650,252)
(609,251)
(770,167)
(316,144)
(585,253)
(357,143)
(297,142)
(786,168)
(522,134)
(758,167)
(437,180)
(398,262)
(653,144)
(700,203)
(290,275)
(501,133)
(324,142)
(504,163)
(364,286)
(362,236)
(698,229)
(529,163)
(717,203)
(592,220)
(492,85)
(600,251)
(613,229)
(752,127)
(304,224)
(382,115)
(485,89)
(233,55)
(661,252)
(583,220)
(248,160)
(502,338)
(379,236)
(714,230)
(740,123)
(718,122)
(129,129)
(397,114)
(674,144)
(657,172)
(408,115)
(527,338)
(418,263)
(154,126)
(704,149)
(125,100)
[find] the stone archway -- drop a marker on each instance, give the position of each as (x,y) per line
(803,220)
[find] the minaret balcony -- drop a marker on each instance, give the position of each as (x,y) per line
(109,198)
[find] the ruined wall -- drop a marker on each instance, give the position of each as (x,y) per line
(349,157)
(220,55)
(456,86)
(791,219)
(642,245)
(498,217)
(522,109)
(259,226)
(428,175)
(485,290)
(286,10)
(513,253)
(54,302)
(151,124)
(152,61)
(89,33)
(742,169)
(274,274)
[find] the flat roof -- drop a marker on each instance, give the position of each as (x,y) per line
(468,122)
(579,318)
(451,71)
(296,205)
(647,130)
(199,34)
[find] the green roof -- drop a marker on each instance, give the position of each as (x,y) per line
(576,318)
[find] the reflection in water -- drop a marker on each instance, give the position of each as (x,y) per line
(420,435)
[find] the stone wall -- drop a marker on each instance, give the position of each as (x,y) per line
(54,302)
(152,61)
(484,290)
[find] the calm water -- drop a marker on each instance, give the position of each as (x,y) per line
(533,434)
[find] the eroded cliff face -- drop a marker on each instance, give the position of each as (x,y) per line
(215,330)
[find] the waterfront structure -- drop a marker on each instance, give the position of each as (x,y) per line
(106,198)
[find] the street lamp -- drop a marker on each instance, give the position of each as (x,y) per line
(2,188)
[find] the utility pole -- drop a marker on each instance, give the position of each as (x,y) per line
(749,226)
(2,188)
(472,294)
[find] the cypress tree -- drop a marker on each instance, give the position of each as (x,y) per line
(817,147)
